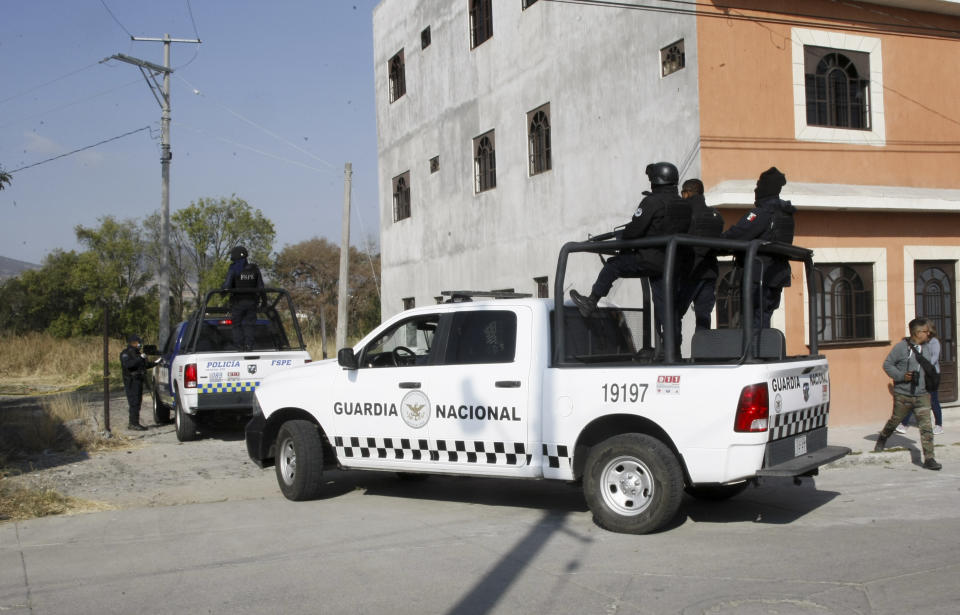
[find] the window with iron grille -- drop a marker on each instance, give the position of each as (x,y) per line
(845,293)
(481,21)
(672,58)
(728,296)
(398,80)
(543,291)
(484,162)
(401,196)
(837,87)
(435,164)
(538,137)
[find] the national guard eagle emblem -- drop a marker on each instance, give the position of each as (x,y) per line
(415,409)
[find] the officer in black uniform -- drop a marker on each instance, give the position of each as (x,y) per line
(698,287)
(243,276)
(134,366)
(771,219)
(661,212)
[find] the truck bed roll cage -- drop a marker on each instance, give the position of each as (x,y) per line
(746,253)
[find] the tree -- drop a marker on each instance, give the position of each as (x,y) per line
(117,276)
(208,229)
(310,272)
(51,298)
(5,178)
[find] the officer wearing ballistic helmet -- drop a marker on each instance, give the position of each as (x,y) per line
(245,277)
(771,219)
(698,287)
(661,212)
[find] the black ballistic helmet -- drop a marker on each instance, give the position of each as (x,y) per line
(238,253)
(662,174)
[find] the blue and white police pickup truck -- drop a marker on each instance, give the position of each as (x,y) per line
(528,388)
(203,373)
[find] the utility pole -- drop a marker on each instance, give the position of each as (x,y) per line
(344,286)
(162,94)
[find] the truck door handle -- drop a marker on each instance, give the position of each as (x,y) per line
(508,384)
(409,385)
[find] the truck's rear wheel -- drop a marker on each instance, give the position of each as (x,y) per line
(186,424)
(632,483)
(299,460)
(161,411)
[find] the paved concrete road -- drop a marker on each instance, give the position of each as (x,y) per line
(863,539)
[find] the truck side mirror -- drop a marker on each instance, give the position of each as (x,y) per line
(151,349)
(346,359)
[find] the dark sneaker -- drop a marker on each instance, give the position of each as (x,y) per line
(136,427)
(881,442)
(931,464)
(586,305)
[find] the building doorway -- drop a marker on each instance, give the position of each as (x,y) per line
(935,288)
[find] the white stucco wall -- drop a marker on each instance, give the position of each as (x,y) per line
(611,114)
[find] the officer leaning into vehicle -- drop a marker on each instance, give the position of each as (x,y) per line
(698,287)
(770,219)
(243,276)
(661,212)
(134,365)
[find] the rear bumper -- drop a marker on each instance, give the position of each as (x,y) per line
(806,463)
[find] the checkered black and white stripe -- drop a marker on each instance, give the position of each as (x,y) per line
(450,451)
(555,454)
(792,423)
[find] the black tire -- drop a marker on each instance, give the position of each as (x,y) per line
(299,460)
(633,484)
(186,424)
(161,411)
(715,493)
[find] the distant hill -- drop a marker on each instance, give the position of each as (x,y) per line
(10,267)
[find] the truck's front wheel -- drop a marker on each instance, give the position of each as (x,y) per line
(299,461)
(186,424)
(632,483)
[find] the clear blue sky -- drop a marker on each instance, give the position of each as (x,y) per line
(286,97)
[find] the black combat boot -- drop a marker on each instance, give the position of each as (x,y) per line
(881,442)
(586,305)
(931,464)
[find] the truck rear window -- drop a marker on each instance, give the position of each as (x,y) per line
(609,335)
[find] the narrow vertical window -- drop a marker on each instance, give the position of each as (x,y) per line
(543,291)
(481,21)
(538,139)
(425,38)
(398,80)
(401,197)
(484,162)
(672,58)
(435,164)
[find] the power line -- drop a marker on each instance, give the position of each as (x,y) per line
(115,19)
(36,164)
(45,84)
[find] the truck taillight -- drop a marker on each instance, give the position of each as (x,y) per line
(753,409)
(190,376)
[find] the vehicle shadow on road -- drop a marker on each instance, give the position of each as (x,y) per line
(776,501)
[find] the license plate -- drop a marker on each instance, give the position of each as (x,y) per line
(800,445)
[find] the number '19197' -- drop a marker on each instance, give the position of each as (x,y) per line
(627,393)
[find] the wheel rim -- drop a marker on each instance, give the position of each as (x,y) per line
(287,461)
(627,486)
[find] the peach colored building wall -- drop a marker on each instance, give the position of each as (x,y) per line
(747,101)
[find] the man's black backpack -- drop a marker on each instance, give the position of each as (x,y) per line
(930,374)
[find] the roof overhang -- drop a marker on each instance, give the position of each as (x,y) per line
(946,7)
(841,197)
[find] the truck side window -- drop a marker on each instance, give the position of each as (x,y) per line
(482,337)
(413,338)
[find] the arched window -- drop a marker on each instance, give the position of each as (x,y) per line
(845,312)
(539,140)
(838,92)
(484,162)
(401,197)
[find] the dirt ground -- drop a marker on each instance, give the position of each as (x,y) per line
(154,469)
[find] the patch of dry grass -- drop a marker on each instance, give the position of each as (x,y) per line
(20,503)
(39,362)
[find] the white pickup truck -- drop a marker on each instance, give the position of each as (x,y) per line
(202,374)
(527,388)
